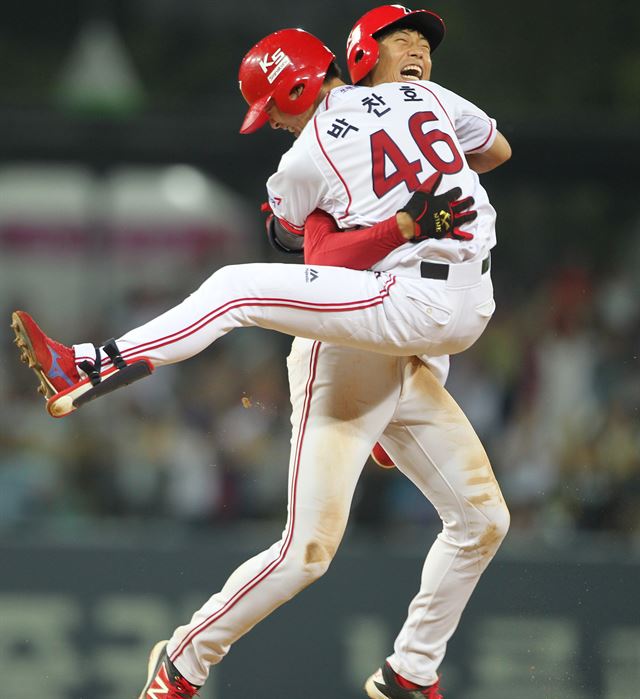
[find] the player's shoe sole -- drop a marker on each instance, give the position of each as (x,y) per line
(29,357)
(370,688)
(386,679)
(65,402)
(155,658)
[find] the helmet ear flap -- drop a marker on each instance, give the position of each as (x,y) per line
(282,95)
(362,57)
(289,103)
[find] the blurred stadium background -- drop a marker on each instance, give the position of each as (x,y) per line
(124,182)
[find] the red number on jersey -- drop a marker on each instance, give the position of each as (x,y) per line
(383,147)
(426,140)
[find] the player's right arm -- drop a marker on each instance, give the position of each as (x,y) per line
(426,215)
(485,148)
(497,154)
(361,248)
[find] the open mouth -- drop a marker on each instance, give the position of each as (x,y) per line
(412,72)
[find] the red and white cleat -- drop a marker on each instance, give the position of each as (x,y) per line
(53,362)
(163,679)
(380,456)
(385,683)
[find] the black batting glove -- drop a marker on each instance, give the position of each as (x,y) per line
(439,215)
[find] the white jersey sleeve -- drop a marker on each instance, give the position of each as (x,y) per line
(298,187)
(476,131)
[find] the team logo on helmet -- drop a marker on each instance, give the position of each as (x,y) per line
(286,68)
(354,38)
(279,61)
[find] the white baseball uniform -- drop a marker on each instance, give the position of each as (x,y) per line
(359,158)
(368,149)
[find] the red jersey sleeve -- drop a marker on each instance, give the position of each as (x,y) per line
(326,244)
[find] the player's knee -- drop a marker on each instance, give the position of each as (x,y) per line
(501,519)
(316,558)
(491,534)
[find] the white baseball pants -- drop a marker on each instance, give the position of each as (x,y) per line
(343,401)
(372,311)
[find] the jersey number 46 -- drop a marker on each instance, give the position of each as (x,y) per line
(383,147)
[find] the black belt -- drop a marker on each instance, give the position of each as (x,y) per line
(440,270)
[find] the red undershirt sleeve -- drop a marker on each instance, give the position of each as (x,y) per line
(326,244)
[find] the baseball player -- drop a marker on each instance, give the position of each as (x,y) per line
(357,309)
(411,670)
(360,248)
(362,310)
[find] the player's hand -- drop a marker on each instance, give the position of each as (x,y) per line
(439,215)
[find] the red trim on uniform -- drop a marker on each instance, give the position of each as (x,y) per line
(437,100)
(344,307)
(449,118)
(265,572)
(335,169)
(291,227)
(486,140)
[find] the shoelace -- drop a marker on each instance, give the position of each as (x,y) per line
(181,689)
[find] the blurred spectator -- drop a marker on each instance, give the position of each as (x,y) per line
(552,388)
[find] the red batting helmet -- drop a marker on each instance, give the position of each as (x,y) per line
(362,47)
(274,67)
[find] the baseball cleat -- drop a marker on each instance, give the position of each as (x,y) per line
(387,684)
(53,362)
(55,367)
(163,679)
(380,456)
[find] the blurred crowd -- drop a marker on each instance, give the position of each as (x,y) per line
(104,237)
(552,388)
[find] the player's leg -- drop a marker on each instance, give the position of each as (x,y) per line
(324,302)
(364,310)
(439,367)
(337,412)
(433,444)
(334,303)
